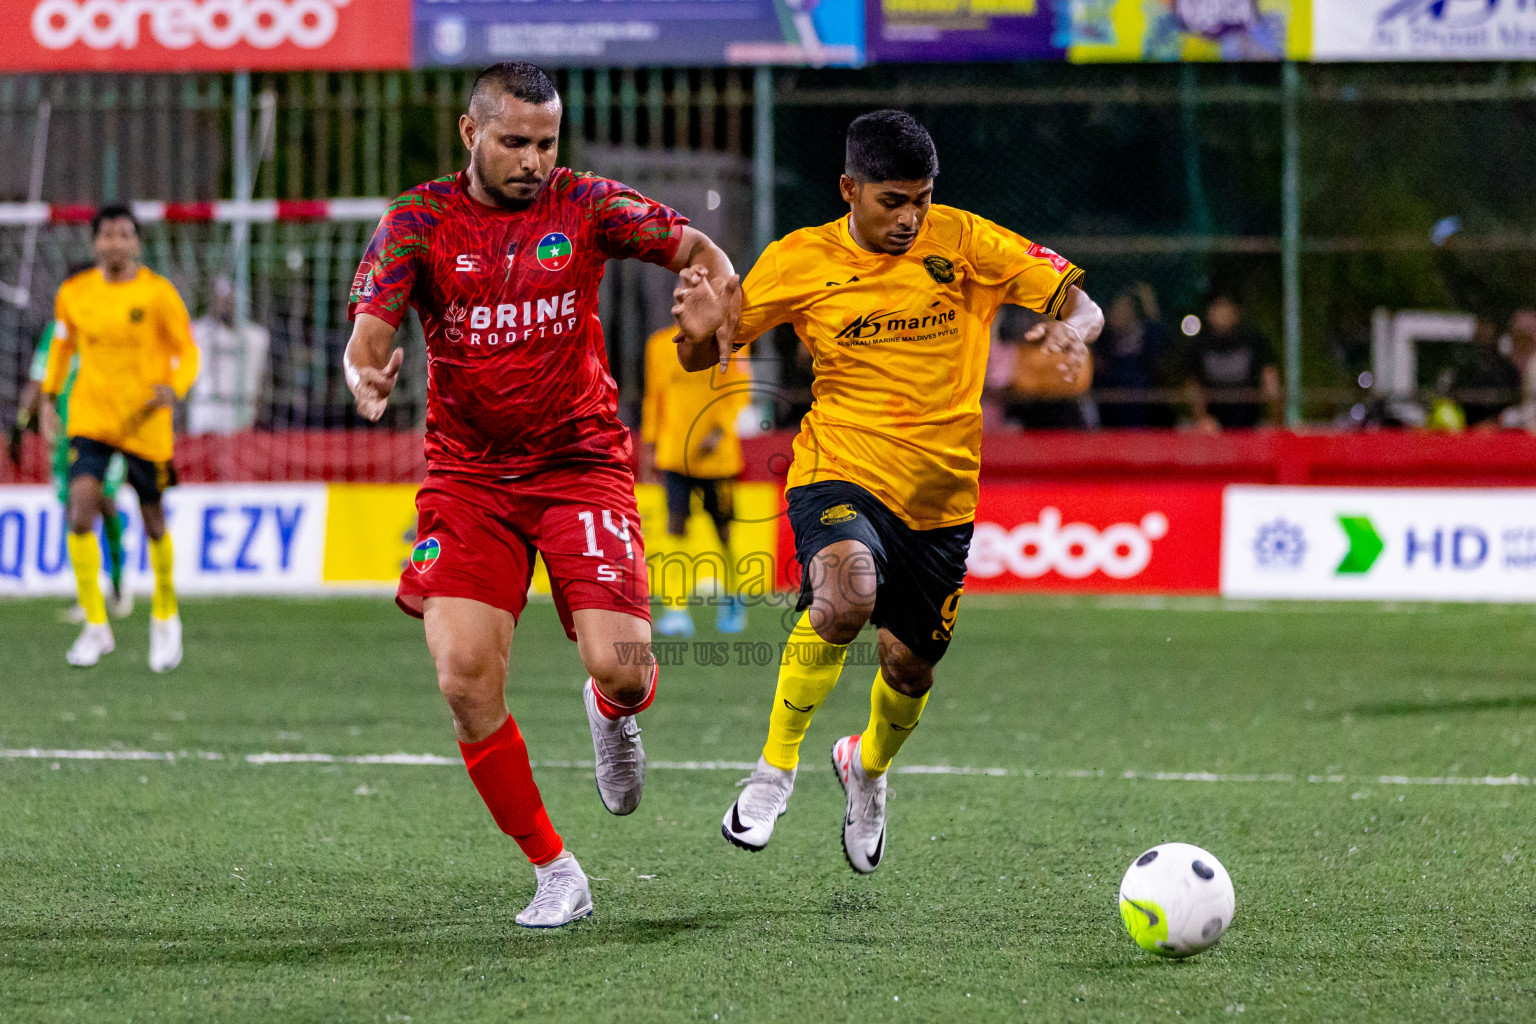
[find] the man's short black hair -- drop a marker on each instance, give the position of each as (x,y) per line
(889,145)
(527,82)
(114,211)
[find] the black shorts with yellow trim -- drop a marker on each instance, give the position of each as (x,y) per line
(919,574)
(149,480)
(719,496)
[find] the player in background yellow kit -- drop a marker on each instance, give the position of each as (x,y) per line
(137,358)
(896,303)
(688,430)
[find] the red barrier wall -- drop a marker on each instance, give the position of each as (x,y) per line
(1386,458)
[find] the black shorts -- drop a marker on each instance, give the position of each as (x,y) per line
(149,480)
(919,573)
(719,496)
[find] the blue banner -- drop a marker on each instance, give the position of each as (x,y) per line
(961,30)
(609,33)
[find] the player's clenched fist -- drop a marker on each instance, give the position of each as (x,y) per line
(372,386)
(702,309)
(1064,341)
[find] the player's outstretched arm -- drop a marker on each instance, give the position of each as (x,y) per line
(707,324)
(1070,334)
(371,367)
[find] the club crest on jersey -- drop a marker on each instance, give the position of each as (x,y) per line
(424,554)
(554,251)
(939,268)
(838,514)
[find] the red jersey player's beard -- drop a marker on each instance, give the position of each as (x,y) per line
(515,193)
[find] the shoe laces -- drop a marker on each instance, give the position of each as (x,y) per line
(555,889)
(765,792)
(872,805)
(620,744)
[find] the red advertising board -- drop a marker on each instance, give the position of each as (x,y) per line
(1097,539)
(1084,538)
(204,35)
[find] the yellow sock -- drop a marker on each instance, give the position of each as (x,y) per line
(85,556)
(892,717)
(807,672)
(162,559)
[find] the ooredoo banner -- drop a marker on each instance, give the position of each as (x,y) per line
(1099,539)
(1379,543)
(204,35)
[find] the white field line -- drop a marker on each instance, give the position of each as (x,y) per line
(438,760)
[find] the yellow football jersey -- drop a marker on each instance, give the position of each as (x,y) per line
(681,409)
(131,336)
(899,345)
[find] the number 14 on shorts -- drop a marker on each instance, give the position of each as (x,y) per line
(616,524)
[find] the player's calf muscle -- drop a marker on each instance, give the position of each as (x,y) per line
(905,672)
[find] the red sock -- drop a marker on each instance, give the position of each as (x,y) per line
(498,766)
(612,710)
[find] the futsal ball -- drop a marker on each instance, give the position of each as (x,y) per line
(1176,900)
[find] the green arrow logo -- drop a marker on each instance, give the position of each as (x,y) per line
(1364,545)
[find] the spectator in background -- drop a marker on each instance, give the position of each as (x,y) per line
(1522,352)
(1128,356)
(1230,376)
(223,400)
(1485,379)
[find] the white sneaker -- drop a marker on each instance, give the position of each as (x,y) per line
(120,604)
(164,643)
(763,800)
(620,757)
(93,642)
(864,825)
(676,622)
(562,896)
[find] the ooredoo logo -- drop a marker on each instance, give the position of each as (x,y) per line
(181,24)
(1075,551)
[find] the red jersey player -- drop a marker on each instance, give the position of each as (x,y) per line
(525,451)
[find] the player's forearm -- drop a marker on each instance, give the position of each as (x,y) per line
(1082,314)
(185,373)
(370,344)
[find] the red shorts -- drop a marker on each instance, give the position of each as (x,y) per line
(476,538)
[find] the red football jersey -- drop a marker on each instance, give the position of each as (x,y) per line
(517,372)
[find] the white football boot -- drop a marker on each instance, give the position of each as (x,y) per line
(764,799)
(93,642)
(864,824)
(563,895)
(620,757)
(164,643)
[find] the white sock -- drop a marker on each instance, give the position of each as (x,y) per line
(562,863)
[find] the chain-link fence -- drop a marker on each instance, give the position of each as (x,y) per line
(1164,182)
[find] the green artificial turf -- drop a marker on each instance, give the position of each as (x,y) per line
(220,889)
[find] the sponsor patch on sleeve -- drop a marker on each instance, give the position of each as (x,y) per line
(1040,252)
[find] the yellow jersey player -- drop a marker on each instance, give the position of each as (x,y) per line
(134,339)
(896,302)
(688,428)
